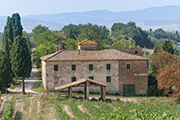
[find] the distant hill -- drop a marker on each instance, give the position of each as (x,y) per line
(167,17)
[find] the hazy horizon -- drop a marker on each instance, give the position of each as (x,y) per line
(33,7)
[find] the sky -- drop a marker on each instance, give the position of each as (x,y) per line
(36,7)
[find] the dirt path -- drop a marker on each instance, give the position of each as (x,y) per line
(29,83)
(84,110)
(68,111)
(18,110)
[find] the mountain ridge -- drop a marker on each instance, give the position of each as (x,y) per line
(153,17)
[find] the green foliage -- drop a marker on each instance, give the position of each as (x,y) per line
(21,62)
(161,34)
(132,32)
(91,32)
(43,50)
(5,71)
(71,44)
(167,46)
(72,31)
(36,33)
(7,36)
(28,37)
(16,24)
(9,111)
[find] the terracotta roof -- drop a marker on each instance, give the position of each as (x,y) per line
(90,55)
(81,81)
(87,42)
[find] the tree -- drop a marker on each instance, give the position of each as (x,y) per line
(92,32)
(167,46)
(169,79)
(7,36)
(5,71)
(36,33)
(21,59)
(7,45)
(42,50)
(161,59)
(16,23)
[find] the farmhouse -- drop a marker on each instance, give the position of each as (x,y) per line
(123,72)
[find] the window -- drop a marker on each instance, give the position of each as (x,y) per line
(128,66)
(73,67)
(108,79)
(90,66)
(55,67)
(91,77)
(108,67)
(73,79)
(136,52)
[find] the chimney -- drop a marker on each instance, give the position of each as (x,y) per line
(60,45)
(57,48)
(112,46)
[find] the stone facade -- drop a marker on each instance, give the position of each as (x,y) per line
(65,72)
(128,73)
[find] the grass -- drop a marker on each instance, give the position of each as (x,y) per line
(38,88)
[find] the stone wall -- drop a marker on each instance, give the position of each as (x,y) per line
(99,72)
(43,65)
(137,75)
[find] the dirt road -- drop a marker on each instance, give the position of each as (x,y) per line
(29,83)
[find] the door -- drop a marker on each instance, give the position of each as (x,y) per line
(129,90)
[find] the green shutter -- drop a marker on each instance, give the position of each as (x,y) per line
(129,90)
(90,67)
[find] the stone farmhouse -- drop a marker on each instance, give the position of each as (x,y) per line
(123,72)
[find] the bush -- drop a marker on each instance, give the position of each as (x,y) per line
(154,91)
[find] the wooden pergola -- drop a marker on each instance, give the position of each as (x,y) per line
(86,83)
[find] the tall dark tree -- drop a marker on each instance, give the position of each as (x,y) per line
(21,59)
(5,71)
(6,46)
(16,23)
(7,36)
(167,46)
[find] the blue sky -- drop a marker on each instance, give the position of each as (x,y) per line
(35,7)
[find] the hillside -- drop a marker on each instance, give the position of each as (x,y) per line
(155,17)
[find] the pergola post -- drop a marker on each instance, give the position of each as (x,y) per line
(57,93)
(101,92)
(104,93)
(85,91)
(70,92)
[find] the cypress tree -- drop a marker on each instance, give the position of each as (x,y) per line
(21,59)
(7,36)
(17,27)
(6,46)
(5,72)
(167,46)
